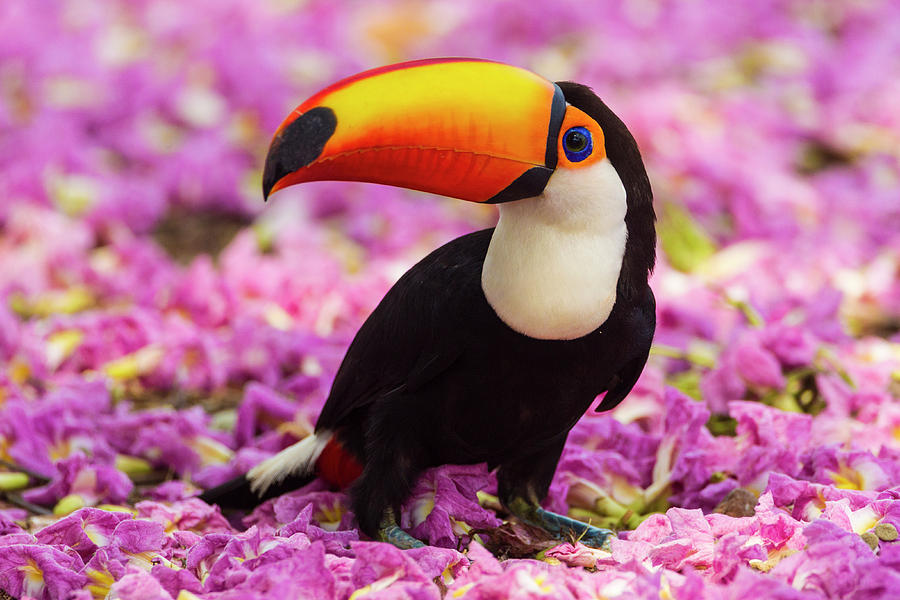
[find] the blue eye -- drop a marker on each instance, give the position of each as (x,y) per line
(578,144)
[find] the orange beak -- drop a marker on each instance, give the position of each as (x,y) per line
(465,128)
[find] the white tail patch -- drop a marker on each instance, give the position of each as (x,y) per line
(297,459)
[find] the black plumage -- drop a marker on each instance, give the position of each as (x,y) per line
(435,377)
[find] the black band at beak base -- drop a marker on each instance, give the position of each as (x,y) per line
(527,185)
(533,181)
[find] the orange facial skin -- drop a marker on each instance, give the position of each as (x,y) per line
(577,118)
(463,128)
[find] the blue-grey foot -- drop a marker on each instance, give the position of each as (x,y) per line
(390,532)
(561,527)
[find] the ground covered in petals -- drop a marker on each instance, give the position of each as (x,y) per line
(161,330)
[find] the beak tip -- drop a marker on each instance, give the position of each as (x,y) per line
(273,171)
(296,145)
(267,189)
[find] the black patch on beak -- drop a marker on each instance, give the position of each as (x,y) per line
(297,145)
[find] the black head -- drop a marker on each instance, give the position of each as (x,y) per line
(623,153)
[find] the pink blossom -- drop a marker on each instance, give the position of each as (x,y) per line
(336,542)
(8,521)
(84,531)
(850,470)
(382,566)
(836,564)
(261,404)
(768,440)
(444,506)
(576,555)
(299,573)
(39,571)
(192,515)
(245,552)
(174,580)
(138,584)
(93,483)
(142,276)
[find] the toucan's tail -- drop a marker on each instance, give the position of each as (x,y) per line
(237,494)
(287,471)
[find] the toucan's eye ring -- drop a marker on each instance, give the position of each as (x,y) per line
(578,144)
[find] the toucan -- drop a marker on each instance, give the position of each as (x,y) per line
(492,347)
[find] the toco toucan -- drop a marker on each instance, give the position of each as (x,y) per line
(495,344)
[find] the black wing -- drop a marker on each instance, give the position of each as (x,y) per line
(643,325)
(415,333)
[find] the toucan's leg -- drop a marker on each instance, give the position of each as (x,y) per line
(523,483)
(561,527)
(394,460)
(389,531)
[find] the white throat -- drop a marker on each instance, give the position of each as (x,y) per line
(553,263)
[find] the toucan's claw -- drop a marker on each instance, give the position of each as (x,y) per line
(597,537)
(563,528)
(390,532)
(566,529)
